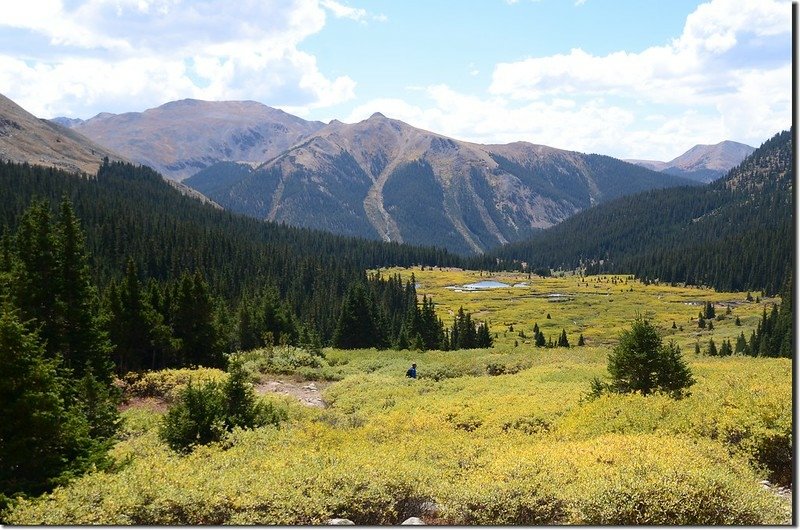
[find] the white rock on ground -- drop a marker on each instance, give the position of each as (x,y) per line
(340,521)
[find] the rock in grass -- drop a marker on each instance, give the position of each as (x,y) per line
(340,521)
(413,521)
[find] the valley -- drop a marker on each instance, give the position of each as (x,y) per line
(211,367)
(503,435)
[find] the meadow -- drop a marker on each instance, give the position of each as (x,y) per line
(505,435)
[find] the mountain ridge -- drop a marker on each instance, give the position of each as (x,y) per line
(734,234)
(703,163)
(26,138)
(385,179)
(179,138)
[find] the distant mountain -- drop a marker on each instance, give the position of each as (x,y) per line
(180,138)
(733,234)
(703,163)
(26,138)
(382,178)
(67,122)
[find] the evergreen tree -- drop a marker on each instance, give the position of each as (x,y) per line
(539,340)
(83,343)
(194,323)
(709,311)
(712,348)
(581,341)
(563,342)
(641,363)
(741,344)
(36,278)
(356,327)
(725,350)
(139,336)
(484,339)
(248,335)
(43,438)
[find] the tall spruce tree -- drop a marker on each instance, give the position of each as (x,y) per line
(83,343)
(194,323)
(356,327)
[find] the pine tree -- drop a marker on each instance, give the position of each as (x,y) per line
(194,323)
(484,339)
(581,341)
(356,327)
(641,363)
(563,342)
(741,344)
(712,348)
(83,343)
(42,436)
(249,337)
(138,334)
(36,278)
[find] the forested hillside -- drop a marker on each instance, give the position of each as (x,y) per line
(134,221)
(734,234)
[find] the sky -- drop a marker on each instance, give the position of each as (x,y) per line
(643,79)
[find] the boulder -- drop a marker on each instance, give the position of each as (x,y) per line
(413,521)
(340,521)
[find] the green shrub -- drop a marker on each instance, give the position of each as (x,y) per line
(205,413)
(196,419)
(168,384)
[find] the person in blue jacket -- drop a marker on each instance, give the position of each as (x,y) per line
(412,372)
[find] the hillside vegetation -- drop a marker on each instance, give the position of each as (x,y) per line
(505,435)
(734,234)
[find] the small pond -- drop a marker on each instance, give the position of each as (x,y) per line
(485,284)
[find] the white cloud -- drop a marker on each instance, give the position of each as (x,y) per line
(727,76)
(112,52)
(343,11)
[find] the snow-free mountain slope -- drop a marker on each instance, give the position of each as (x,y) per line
(382,178)
(703,163)
(182,137)
(26,138)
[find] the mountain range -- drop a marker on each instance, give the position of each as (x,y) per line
(703,163)
(380,178)
(384,179)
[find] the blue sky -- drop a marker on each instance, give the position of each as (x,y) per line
(629,78)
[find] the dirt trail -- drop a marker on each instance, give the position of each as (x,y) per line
(309,393)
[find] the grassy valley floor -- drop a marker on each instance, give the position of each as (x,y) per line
(504,435)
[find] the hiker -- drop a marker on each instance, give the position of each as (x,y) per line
(412,372)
